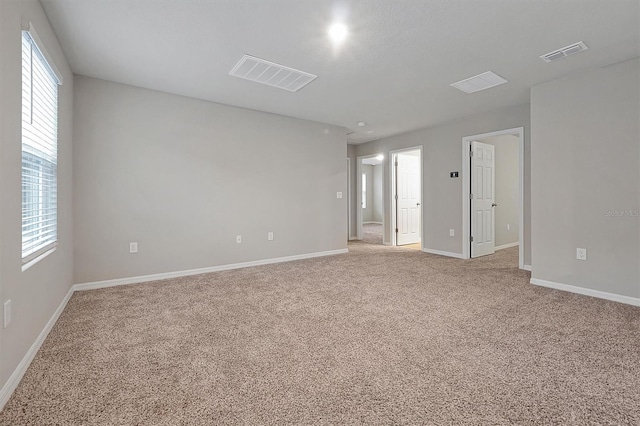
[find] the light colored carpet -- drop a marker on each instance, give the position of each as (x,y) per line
(380,335)
(372,233)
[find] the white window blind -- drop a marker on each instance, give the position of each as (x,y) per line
(39,151)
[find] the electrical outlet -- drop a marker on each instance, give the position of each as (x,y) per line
(238,239)
(7,313)
(133,247)
(508,227)
(452,232)
(581,254)
(339,195)
(270,236)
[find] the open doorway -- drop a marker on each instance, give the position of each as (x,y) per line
(493,193)
(370,217)
(406,197)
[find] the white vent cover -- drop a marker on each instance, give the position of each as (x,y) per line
(272,74)
(564,52)
(479,82)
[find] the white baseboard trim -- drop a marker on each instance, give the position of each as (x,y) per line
(506,246)
(155,277)
(587,292)
(443,253)
(526,267)
(14,380)
(353,237)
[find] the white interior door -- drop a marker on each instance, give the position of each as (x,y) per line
(482,199)
(409,192)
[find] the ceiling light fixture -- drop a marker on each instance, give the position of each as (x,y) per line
(361,124)
(380,157)
(338,32)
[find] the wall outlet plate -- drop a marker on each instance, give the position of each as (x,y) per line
(133,247)
(581,253)
(270,236)
(238,239)
(452,232)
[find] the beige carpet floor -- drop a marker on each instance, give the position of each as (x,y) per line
(372,233)
(377,336)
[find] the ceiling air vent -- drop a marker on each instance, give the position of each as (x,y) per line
(564,52)
(272,74)
(479,82)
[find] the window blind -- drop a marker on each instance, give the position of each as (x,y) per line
(39,152)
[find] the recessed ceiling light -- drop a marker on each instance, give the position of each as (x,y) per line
(361,124)
(338,32)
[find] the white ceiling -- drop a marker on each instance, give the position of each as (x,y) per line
(393,71)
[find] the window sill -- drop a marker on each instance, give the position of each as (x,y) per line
(37,259)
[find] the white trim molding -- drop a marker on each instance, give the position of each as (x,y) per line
(506,246)
(526,267)
(587,292)
(184,273)
(18,373)
(443,253)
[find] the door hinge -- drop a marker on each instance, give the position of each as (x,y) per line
(396,230)
(396,164)
(471,196)
(470,153)
(396,197)
(471,239)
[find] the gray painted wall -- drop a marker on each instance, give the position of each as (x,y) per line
(442,153)
(183,177)
(507,188)
(585,171)
(37,292)
(378,208)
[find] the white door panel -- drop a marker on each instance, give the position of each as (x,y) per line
(483,201)
(408,203)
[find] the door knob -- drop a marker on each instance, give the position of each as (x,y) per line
(493,205)
(417,204)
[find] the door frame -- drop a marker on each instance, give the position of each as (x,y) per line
(392,192)
(348,199)
(466,185)
(359,194)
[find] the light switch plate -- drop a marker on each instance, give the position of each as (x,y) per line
(339,195)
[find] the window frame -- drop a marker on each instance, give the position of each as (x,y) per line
(39,149)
